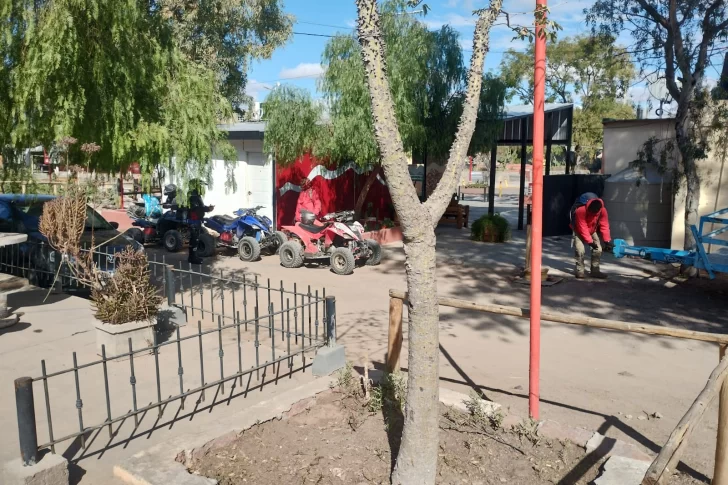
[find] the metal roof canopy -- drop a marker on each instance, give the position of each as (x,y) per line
(518,120)
(518,131)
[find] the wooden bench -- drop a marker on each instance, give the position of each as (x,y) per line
(455,213)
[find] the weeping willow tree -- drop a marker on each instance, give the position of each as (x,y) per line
(147,81)
(428,79)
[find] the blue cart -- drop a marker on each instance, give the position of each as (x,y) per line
(696,257)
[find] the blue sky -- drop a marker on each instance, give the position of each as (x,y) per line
(298,62)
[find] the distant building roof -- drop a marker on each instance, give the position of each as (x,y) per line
(636,121)
(558,124)
(246,130)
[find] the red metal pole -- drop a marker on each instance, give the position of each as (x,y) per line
(537,216)
(470,174)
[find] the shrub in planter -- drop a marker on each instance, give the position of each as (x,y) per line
(491,228)
(129,295)
(126,305)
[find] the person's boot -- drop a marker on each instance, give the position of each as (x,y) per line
(193,258)
(597,274)
(579,274)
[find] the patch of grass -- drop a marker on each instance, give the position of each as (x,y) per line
(478,416)
(528,429)
(347,382)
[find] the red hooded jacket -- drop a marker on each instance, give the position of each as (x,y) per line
(586,223)
(308,200)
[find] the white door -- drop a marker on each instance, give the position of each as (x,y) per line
(260,182)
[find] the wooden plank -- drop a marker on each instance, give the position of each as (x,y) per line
(720,472)
(642,328)
(665,463)
(394,343)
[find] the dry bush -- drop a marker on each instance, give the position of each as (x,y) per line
(63,221)
(129,295)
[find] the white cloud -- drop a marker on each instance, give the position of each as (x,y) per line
(351,23)
(257,90)
(303,70)
(466,44)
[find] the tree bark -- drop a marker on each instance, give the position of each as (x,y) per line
(365,190)
(417,458)
(683,137)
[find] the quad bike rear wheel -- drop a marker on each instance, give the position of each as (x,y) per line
(249,249)
(172,241)
(281,239)
(291,254)
(376,257)
(342,261)
(205,245)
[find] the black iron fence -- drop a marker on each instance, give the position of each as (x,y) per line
(238,327)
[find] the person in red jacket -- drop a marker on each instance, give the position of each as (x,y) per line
(590,223)
(308,200)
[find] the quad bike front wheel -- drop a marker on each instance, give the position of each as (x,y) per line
(248,249)
(342,261)
(136,234)
(291,254)
(376,257)
(172,241)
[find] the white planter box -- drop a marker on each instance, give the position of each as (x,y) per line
(116,337)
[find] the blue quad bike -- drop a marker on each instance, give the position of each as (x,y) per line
(250,233)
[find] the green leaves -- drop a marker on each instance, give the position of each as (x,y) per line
(146,81)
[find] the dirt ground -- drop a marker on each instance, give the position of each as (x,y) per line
(340,440)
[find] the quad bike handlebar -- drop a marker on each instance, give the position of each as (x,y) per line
(341,216)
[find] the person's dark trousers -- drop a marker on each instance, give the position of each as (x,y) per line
(194,238)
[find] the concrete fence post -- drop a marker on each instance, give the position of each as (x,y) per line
(331,320)
(25,407)
(332,356)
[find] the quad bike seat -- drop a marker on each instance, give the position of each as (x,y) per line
(224,220)
(312,228)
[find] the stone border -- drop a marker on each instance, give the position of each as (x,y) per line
(166,463)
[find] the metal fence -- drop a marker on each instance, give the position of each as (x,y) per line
(239,327)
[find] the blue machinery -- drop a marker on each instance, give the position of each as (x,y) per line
(696,257)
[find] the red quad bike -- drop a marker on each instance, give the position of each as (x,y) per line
(332,242)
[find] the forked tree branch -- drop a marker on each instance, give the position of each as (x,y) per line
(386,129)
(439,199)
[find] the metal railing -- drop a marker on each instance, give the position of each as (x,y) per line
(242,328)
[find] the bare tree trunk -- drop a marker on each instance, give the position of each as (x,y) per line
(417,459)
(683,134)
(365,190)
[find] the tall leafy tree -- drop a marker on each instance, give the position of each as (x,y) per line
(118,73)
(417,457)
(592,71)
(675,39)
(428,81)
(223,35)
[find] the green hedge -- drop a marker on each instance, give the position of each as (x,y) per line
(491,228)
